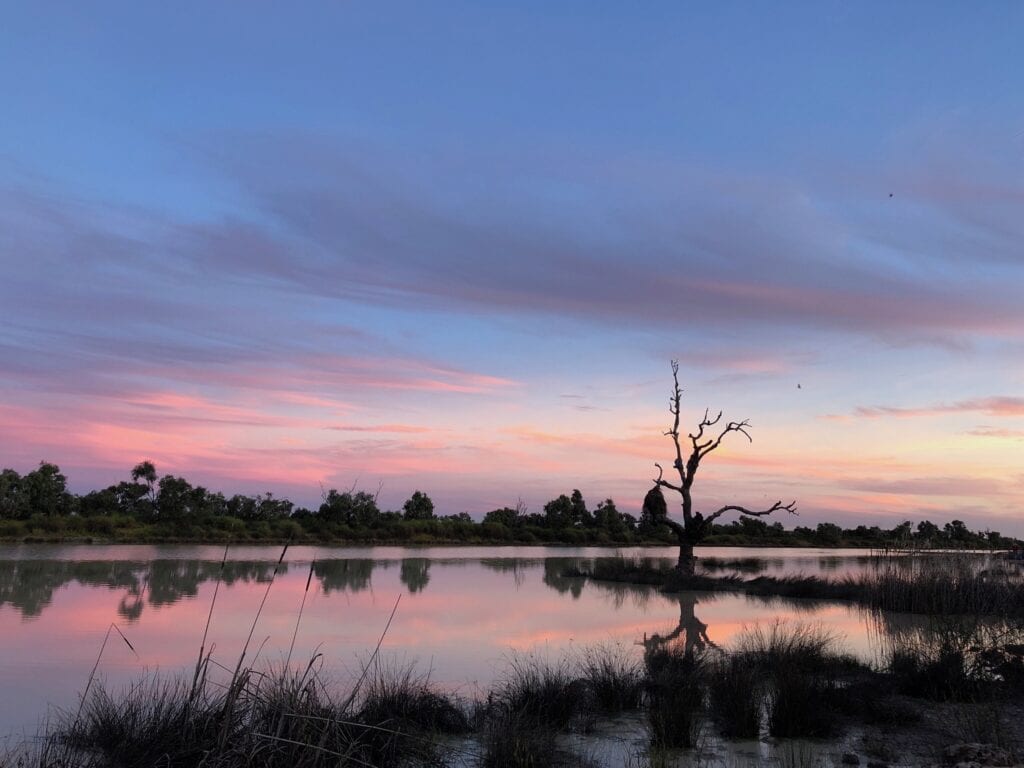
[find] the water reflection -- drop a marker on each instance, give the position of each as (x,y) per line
(690,635)
(514,566)
(555,569)
(415,573)
(344,575)
(29,585)
(465,610)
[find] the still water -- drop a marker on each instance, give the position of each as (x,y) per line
(462,611)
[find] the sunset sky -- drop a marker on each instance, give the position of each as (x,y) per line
(454,246)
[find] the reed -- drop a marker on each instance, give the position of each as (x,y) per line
(736,695)
(302,606)
(794,669)
(512,740)
(536,690)
(613,676)
(96,665)
(676,684)
(276,718)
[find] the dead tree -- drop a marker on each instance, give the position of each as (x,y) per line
(695,526)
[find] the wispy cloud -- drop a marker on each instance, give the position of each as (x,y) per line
(959,486)
(992,406)
(646,244)
(997,432)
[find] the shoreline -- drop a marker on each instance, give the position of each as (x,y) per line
(422,544)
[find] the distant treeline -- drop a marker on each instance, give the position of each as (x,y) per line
(148,507)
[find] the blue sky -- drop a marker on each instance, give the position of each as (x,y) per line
(453,247)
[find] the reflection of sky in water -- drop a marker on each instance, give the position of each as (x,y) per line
(462,611)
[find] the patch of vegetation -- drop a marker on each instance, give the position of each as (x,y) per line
(736,695)
(149,508)
(676,686)
(937,584)
(614,677)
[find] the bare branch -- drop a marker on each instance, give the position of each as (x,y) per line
(665,483)
(778,506)
(705,422)
(673,526)
(674,408)
(732,426)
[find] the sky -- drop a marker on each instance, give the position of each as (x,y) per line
(454,247)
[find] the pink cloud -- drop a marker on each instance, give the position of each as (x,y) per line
(408,429)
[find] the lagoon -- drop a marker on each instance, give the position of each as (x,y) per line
(462,612)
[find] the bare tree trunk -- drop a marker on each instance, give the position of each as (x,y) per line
(687,561)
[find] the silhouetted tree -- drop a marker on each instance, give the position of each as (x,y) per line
(146,472)
(506,516)
(418,507)
(578,512)
(11,503)
(927,532)
(45,490)
(696,526)
(607,517)
(356,508)
(956,531)
(558,513)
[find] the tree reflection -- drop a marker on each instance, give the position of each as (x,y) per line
(415,573)
(28,586)
(516,566)
(130,606)
(344,575)
(554,576)
(690,634)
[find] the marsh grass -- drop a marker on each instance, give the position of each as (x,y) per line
(636,570)
(537,690)
(153,719)
(939,584)
(510,740)
(676,686)
(613,675)
(736,695)
(739,564)
(800,668)
(950,584)
(263,719)
(399,697)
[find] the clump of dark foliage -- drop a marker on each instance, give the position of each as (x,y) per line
(148,507)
